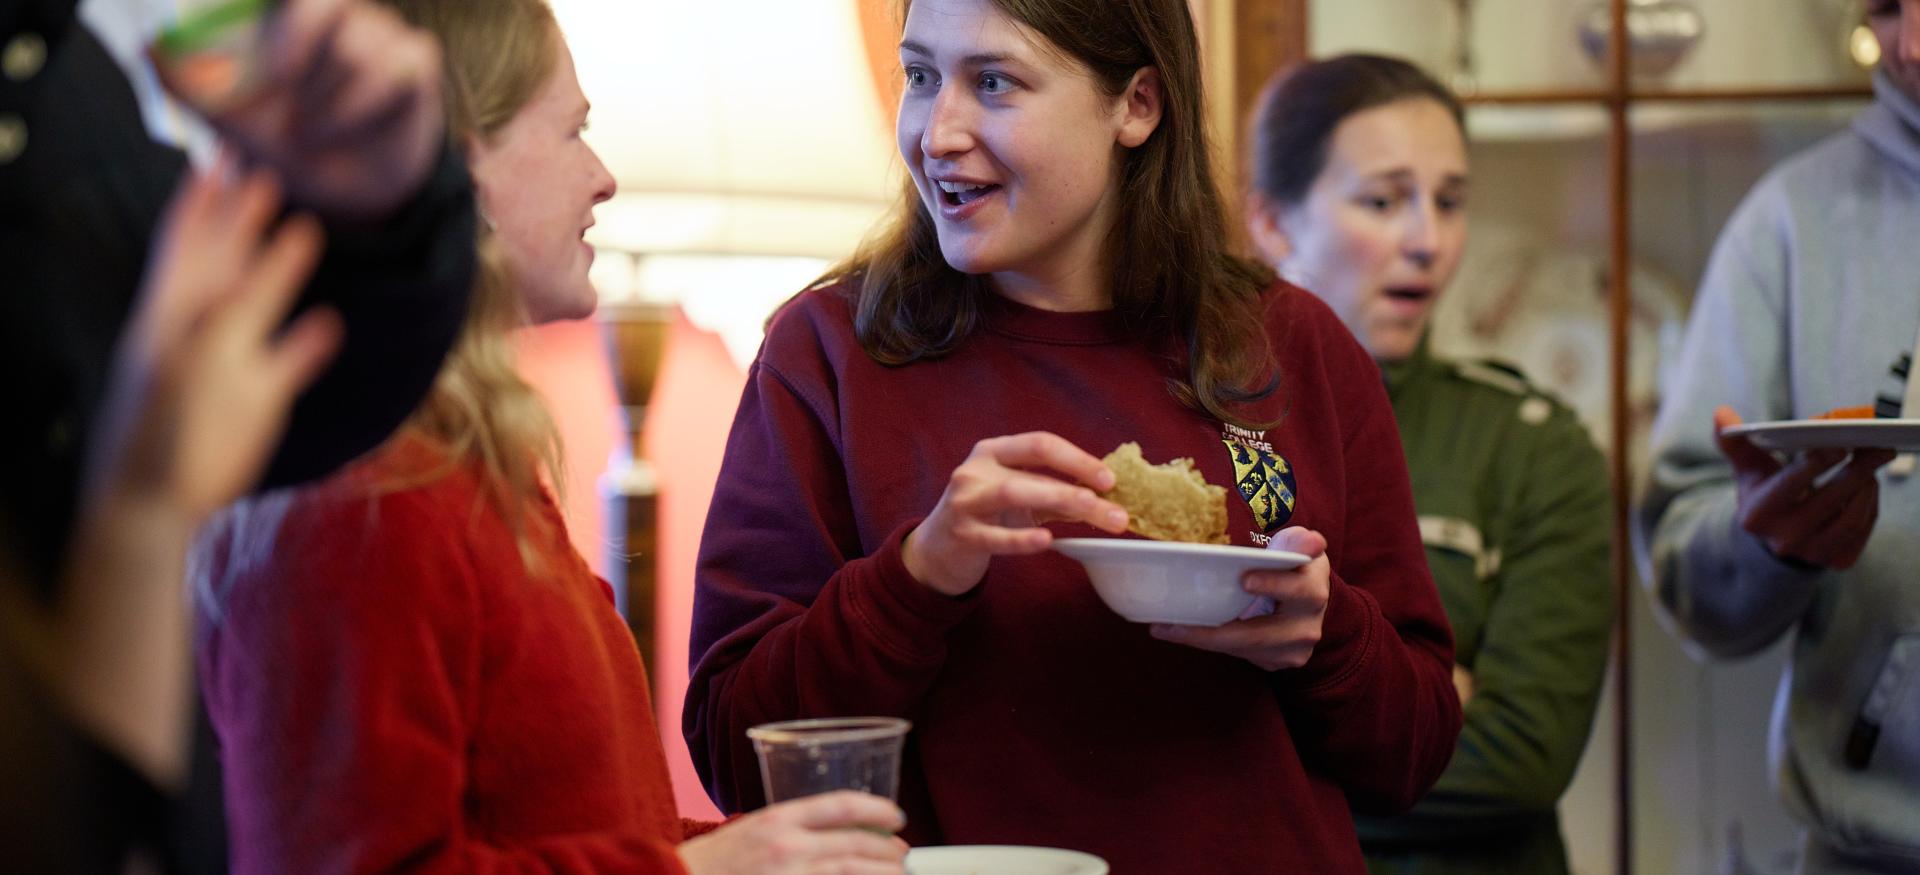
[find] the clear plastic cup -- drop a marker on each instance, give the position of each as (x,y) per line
(803,757)
(212,54)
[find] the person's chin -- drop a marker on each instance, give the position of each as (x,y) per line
(575,305)
(966,258)
(583,305)
(1393,343)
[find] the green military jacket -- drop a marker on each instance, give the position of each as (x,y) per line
(1514,509)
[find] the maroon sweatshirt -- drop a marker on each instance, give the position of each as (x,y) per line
(1041,717)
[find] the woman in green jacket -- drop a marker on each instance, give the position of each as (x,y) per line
(1360,194)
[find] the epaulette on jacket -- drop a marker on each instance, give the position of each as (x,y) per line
(1535,407)
(1498,374)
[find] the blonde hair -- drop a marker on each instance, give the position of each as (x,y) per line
(497,54)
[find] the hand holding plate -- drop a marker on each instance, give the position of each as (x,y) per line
(1818,508)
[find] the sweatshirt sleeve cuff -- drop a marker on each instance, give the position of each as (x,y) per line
(1750,558)
(690,828)
(1725,589)
(903,614)
(1347,640)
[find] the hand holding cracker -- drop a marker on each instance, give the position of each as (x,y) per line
(995,502)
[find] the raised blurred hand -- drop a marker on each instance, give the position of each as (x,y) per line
(349,112)
(203,383)
(205,376)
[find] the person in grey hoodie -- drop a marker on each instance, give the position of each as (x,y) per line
(1812,302)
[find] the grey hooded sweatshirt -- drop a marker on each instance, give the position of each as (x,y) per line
(1811,301)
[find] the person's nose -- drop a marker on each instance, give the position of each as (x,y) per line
(604,184)
(949,129)
(1421,243)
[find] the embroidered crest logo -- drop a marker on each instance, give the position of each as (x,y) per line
(1266,481)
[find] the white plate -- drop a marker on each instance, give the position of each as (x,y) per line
(1169,582)
(1840,434)
(1001,860)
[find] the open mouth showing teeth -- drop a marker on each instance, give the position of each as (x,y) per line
(961,193)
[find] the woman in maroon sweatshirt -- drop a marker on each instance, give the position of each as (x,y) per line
(408,666)
(1056,282)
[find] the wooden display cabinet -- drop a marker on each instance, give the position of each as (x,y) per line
(1263,36)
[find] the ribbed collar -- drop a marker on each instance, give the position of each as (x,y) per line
(1892,124)
(1010,318)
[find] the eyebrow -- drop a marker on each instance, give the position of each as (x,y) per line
(981,59)
(1402,174)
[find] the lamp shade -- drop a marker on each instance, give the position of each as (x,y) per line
(751,129)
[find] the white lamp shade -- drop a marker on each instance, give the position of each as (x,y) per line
(751,127)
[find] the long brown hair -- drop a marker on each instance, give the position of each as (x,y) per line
(1172,276)
(497,54)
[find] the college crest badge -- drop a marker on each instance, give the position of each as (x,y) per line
(1267,483)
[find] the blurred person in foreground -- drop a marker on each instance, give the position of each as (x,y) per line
(1360,195)
(348,120)
(417,635)
(94,689)
(1808,305)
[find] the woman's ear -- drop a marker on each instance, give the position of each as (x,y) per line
(1141,107)
(1269,232)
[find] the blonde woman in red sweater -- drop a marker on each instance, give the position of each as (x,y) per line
(408,666)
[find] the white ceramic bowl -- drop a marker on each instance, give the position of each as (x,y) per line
(1167,582)
(1001,860)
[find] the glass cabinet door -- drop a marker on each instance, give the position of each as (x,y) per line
(1533,290)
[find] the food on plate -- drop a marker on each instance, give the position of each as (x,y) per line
(1170,502)
(1864,411)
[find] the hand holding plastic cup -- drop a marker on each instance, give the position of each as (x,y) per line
(804,757)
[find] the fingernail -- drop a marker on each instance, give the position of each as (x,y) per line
(1116,519)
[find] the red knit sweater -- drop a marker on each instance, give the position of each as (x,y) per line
(392,690)
(1040,717)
